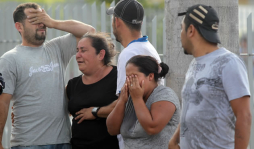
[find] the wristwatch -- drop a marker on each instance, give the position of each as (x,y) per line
(95,111)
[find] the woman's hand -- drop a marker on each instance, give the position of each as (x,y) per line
(84,114)
(135,89)
(124,95)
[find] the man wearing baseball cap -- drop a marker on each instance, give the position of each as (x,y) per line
(215,95)
(127,21)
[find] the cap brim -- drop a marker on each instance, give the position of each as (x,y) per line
(210,36)
(181,14)
(110,11)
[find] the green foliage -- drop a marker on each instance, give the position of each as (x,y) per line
(36,1)
(155,4)
(146,3)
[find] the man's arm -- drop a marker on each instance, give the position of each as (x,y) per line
(175,140)
(241,109)
(78,29)
(4,108)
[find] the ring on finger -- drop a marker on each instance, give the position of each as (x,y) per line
(131,85)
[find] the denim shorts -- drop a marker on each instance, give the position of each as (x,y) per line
(52,146)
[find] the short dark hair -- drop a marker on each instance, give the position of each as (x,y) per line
(102,41)
(148,64)
(19,14)
(136,27)
(188,22)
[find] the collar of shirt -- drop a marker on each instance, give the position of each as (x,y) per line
(142,39)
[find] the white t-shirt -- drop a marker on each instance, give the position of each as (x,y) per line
(212,81)
(138,47)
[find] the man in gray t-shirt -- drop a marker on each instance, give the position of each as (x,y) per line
(215,95)
(34,75)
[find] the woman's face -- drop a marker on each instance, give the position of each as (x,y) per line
(133,70)
(86,56)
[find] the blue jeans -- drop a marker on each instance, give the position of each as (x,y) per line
(52,146)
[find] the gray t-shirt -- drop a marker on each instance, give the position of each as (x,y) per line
(35,78)
(212,81)
(135,137)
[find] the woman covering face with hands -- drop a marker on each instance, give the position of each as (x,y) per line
(146,114)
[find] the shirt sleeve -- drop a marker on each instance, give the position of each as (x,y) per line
(121,75)
(8,70)
(67,45)
(68,89)
(166,94)
(121,72)
(235,79)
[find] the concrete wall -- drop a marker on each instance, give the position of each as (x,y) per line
(175,58)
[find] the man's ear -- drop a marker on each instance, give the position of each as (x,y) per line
(117,22)
(19,26)
(191,30)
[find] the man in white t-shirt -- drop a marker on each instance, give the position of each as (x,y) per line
(215,95)
(127,21)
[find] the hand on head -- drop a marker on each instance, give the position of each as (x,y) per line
(37,16)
